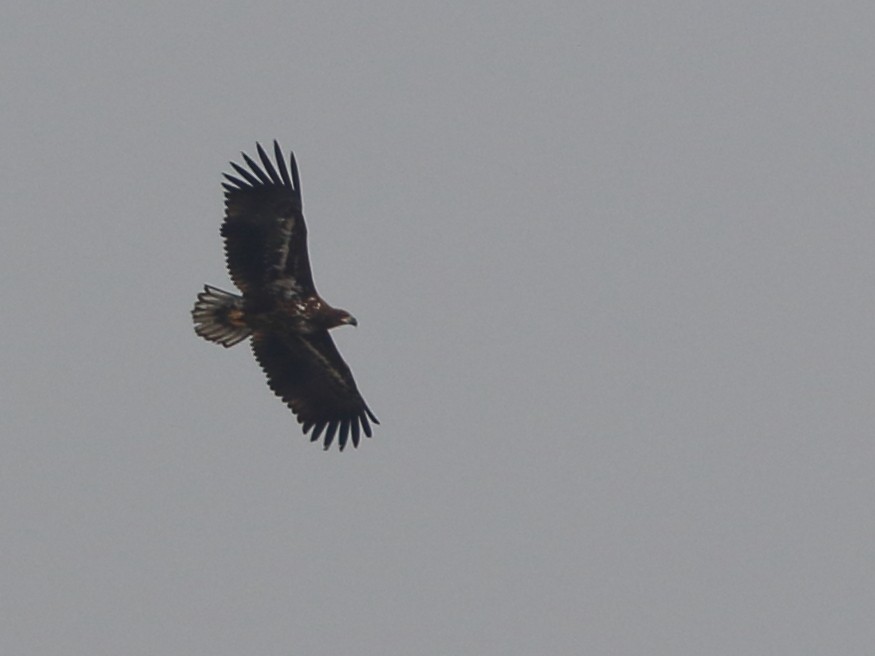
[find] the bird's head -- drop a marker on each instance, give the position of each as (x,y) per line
(348,319)
(337,317)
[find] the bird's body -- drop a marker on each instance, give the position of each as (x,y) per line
(266,251)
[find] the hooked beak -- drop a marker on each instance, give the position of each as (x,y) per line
(350,320)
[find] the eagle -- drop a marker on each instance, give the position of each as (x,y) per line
(279,308)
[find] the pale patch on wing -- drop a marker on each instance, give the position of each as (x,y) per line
(328,366)
(286,226)
(288,289)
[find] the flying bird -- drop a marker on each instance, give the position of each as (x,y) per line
(266,253)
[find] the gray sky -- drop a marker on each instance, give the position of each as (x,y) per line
(613,268)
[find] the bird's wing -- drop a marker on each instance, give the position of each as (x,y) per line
(264,230)
(309,374)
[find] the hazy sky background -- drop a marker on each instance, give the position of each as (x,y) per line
(613,267)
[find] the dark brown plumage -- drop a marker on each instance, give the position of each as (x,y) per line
(266,253)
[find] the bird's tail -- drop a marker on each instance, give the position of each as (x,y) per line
(218,317)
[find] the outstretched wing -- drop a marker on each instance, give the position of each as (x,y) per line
(264,230)
(309,374)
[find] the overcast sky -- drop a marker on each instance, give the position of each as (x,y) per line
(613,267)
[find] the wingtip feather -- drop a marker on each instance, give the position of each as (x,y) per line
(296,178)
(256,169)
(281,163)
(329,435)
(268,165)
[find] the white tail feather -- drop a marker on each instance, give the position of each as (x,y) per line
(217,315)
